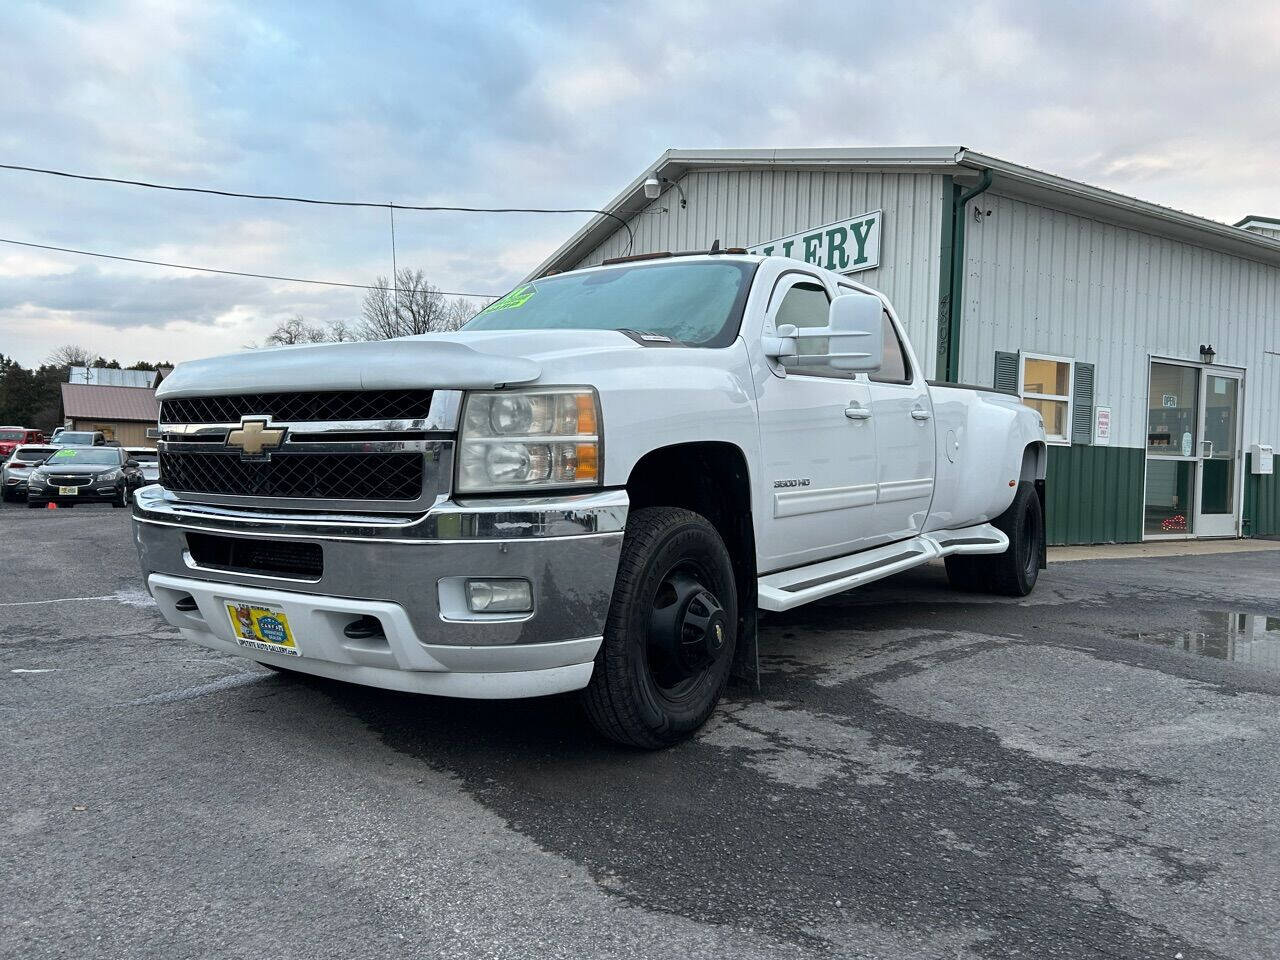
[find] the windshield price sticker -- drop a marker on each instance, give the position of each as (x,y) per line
(516,298)
(64,455)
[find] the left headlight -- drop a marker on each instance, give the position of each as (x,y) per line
(110,475)
(516,439)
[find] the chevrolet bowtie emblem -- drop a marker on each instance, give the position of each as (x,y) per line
(254,437)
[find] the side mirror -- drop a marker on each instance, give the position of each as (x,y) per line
(132,463)
(853,338)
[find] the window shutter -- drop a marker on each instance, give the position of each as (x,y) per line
(1082,405)
(1006,375)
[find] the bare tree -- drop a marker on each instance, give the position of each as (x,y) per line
(340,331)
(459,311)
(412,306)
(71,355)
(293,331)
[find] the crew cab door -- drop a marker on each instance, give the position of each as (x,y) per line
(817,495)
(902,411)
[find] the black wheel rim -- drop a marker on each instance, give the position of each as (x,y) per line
(688,631)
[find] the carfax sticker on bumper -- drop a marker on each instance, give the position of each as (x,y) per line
(262,628)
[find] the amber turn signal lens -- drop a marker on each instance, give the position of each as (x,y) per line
(586,413)
(588,460)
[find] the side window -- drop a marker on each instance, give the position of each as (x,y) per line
(893,363)
(1045,385)
(807,305)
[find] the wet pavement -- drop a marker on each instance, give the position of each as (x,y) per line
(1094,771)
(1227,635)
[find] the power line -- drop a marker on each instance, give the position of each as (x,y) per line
(311,200)
(229,273)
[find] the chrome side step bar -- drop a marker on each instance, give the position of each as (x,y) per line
(793,588)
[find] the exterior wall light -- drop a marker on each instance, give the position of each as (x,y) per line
(653,189)
(1206,352)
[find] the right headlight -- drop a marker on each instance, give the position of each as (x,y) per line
(517,439)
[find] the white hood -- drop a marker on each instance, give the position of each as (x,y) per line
(480,360)
(383,365)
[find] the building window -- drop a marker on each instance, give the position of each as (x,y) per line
(1045,383)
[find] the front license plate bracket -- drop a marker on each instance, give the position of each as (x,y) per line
(262,627)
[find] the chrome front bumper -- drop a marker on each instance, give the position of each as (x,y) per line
(391,568)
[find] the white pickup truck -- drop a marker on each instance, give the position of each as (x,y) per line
(594,485)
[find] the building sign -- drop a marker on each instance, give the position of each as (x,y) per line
(1102,426)
(845,246)
(1169,400)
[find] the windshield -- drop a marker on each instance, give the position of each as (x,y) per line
(31,454)
(13,435)
(94,456)
(699,303)
(69,437)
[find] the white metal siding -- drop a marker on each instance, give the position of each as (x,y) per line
(743,207)
(1044,281)
(1272,232)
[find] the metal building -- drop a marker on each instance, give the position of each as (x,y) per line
(1148,338)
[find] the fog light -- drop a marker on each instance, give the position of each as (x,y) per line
(499,596)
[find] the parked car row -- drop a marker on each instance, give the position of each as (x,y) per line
(13,437)
(67,475)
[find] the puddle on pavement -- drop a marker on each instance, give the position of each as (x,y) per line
(1240,637)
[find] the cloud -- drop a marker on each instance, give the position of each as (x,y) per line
(546,104)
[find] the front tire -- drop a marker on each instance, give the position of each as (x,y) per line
(1014,572)
(670,634)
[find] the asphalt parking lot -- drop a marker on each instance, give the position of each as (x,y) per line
(925,774)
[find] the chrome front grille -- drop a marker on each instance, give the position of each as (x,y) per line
(319,476)
(376,450)
(312,406)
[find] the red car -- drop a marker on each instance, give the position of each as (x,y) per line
(13,437)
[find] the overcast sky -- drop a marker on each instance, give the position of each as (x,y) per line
(544,104)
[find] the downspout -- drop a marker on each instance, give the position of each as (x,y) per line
(951,285)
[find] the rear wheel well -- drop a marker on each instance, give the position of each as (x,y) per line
(712,479)
(1033,462)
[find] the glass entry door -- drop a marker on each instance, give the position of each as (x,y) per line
(1216,508)
(1193,462)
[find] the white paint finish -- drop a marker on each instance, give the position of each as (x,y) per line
(905,453)
(805,434)
(381,365)
(992,431)
(899,490)
(1045,281)
(748,207)
(794,503)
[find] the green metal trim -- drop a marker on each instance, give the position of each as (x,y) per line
(1261,502)
(1094,494)
(946,265)
(950,305)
